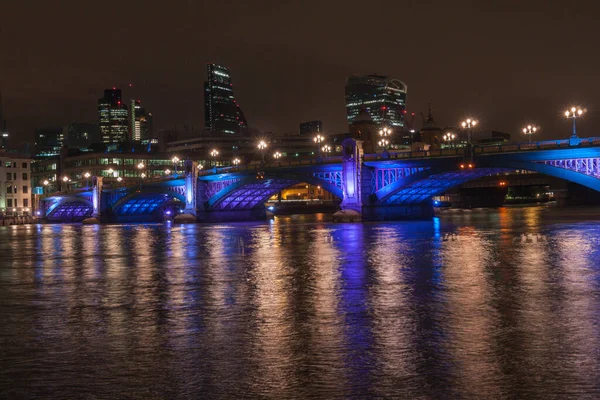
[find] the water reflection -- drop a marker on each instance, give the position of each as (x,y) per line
(479,305)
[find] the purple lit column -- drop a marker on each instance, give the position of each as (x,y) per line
(96,196)
(352,152)
(191,179)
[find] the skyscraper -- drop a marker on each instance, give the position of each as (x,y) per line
(221,112)
(384,98)
(139,121)
(112,117)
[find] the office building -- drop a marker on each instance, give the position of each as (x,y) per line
(80,135)
(15,184)
(221,111)
(311,127)
(140,121)
(384,98)
(48,141)
(112,117)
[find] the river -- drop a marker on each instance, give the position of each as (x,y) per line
(485,304)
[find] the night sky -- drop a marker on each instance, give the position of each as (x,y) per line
(504,62)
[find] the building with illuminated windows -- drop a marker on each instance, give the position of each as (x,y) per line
(15,184)
(140,122)
(113,117)
(384,98)
(221,111)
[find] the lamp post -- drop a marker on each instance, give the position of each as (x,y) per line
(574,113)
(46,183)
(142,175)
(530,130)
(277,156)
(318,139)
(236,162)
(214,153)
(262,145)
(469,124)
(87,179)
(449,138)
(167,172)
(383,143)
(175,162)
(326,149)
(385,132)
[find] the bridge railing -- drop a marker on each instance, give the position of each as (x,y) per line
(542,145)
(257,166)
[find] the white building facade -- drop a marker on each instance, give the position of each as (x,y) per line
(15,184)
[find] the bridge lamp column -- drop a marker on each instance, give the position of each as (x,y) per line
(383,143)
(141,167)
(262,145)
(214,153)
(574,113)
(530,130)
(318,140)
(87,179)
(449,138)
(175,161)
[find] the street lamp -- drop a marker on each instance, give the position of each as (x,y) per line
(46,183)
(326,149)
(385,132)
(383,143)
(119,179)
(574,113)
(318,139)
(277,156)
(167,171)
(262,145)
(469,124)
(236,161)
(214,153)
(175,162)
(449,137)
(87,179)
(530,130)
(200,166)
(142,175)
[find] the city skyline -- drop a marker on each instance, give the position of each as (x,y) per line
(507,76)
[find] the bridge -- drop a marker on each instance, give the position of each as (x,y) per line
(391,185)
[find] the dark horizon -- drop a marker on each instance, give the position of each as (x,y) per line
(506,65)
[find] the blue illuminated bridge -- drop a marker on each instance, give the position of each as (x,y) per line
(389,186)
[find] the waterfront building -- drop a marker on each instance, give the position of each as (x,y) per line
(311,127)
(68,170)
(15,184)
(113,117)
(384,98)
(221,111)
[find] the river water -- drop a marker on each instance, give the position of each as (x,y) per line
(486,304)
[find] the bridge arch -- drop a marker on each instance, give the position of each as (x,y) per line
(422,186)
(248,192)
(68,209)
(144,204)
